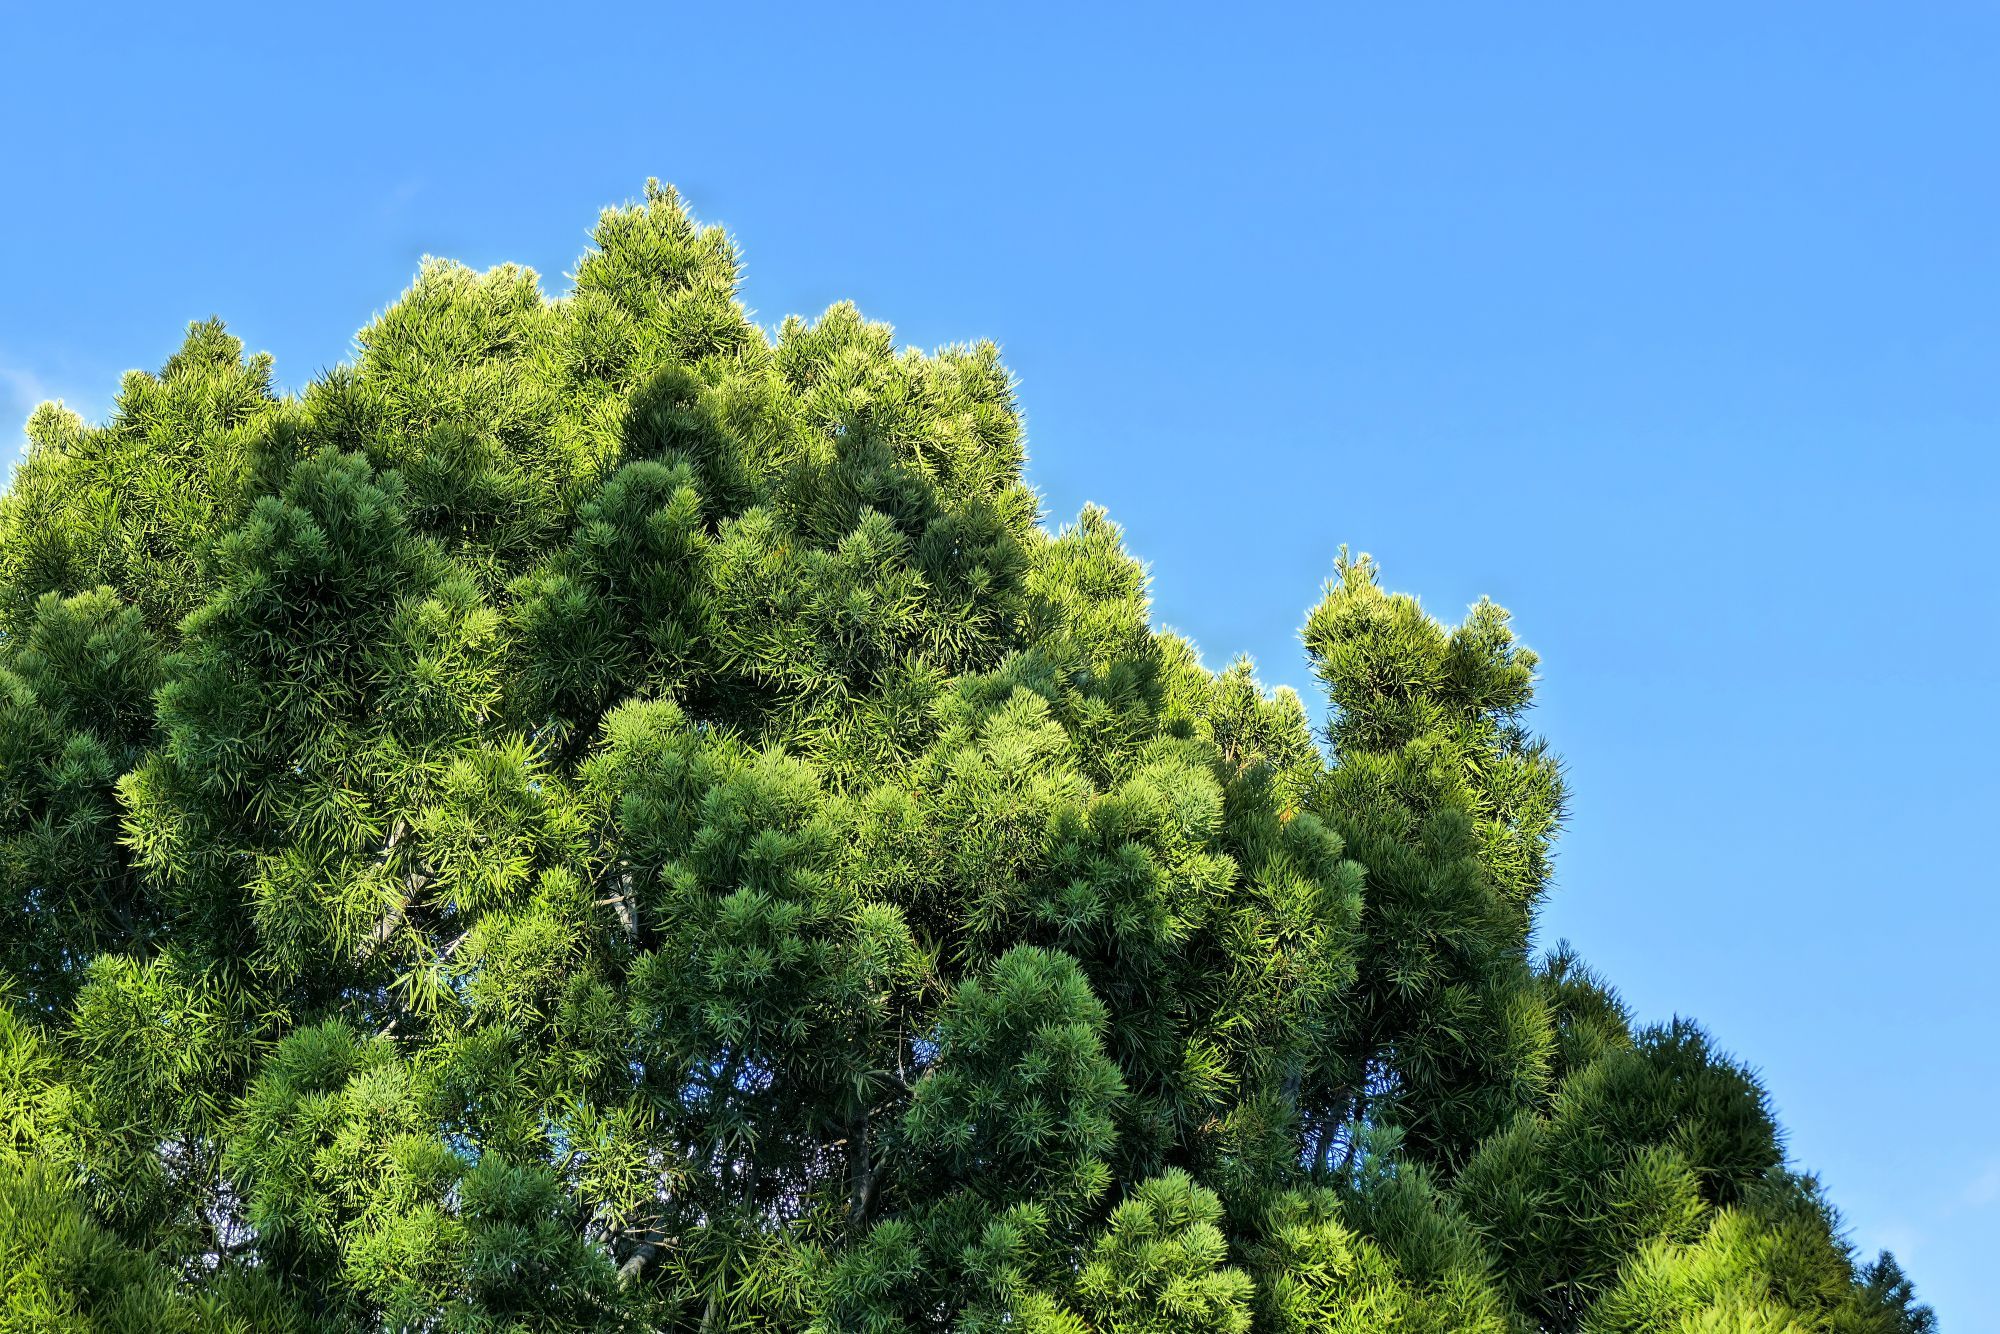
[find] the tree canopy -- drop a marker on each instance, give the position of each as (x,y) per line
(598,816)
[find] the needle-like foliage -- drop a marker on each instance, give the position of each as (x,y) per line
(599,816)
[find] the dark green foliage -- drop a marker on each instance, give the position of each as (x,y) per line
(76,712)
(1017,1107)
(1451,805)
(596,816)
(1641,1143)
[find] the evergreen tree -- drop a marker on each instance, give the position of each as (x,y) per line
(597,816)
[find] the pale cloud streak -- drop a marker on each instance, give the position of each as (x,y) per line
(1984,1189)
(21,392)
(25,390)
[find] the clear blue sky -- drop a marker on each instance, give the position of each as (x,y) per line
(1673,328)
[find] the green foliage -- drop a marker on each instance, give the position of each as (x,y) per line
(1319,1274)
(62,1274)
(76,711)
(1158,1267)
(1018,1105)
(1774,1263)
(1451,804)
(1638,1145)
(598,816)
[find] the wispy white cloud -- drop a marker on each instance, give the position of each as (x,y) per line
(400,198)
(1898,1236)
(21,392)
(24,390)
(1984,1188)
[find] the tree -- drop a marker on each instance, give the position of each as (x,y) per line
(595,816)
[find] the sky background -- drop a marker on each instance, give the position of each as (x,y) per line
(1674,329)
